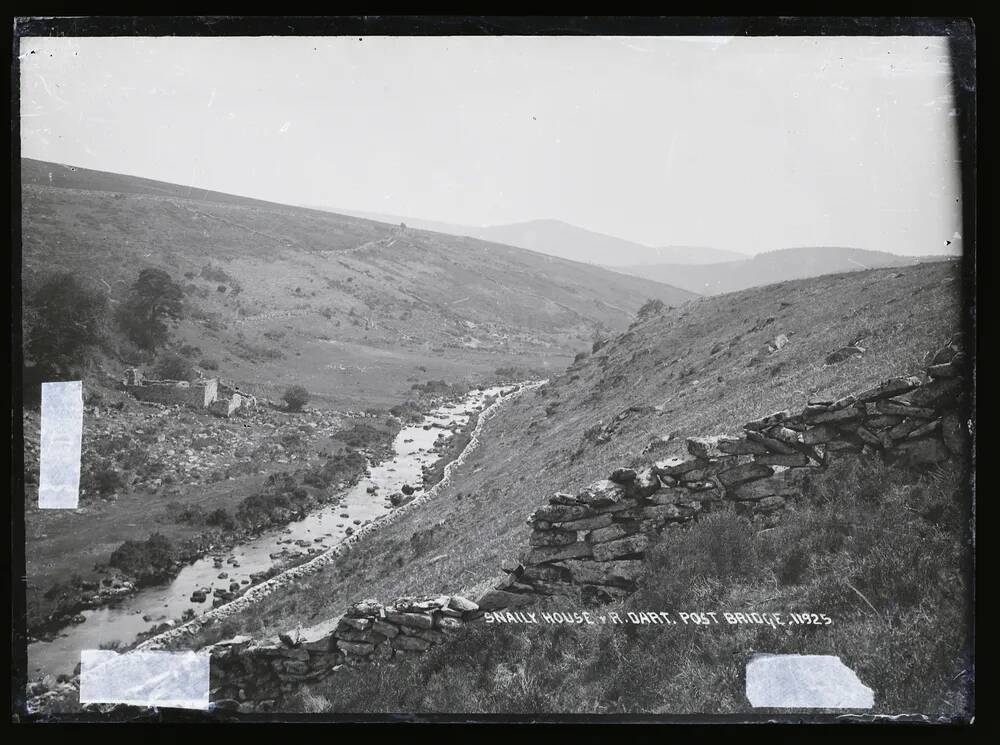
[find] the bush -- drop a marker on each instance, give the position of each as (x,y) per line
(220,518)
(107,480)
(172,366)
(296,397)
(145,560)
(63,320)
(209,363)
(650,307)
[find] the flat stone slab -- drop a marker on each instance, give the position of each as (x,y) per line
(810,681)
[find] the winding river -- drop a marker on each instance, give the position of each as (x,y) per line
(415,446)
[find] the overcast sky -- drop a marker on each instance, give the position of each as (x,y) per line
(742,144)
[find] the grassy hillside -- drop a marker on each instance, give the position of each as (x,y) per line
(769,267)
(357,311)
(879,551)
(701,369)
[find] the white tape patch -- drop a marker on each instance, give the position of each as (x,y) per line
(804,681)
(61,440)
(176,680)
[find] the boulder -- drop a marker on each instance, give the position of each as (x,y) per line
(889,388)
(774,446)
(704,447)
(359,649)
(740,446)
(924,429)
(844,353)
(645,484)
(611,533)
(556,513)
(837,415)
(677,466)
(937,393)
(623,475)
(768,421)
(412,620)
(358,624)
(563,498)
(904,428)
(553,537)
(747,472)
(624,547)
(463,605)
(544,554)
(364,608)
(897,408)
(589,523)
(497,599)
(778,459)
(951,369)
(600,493)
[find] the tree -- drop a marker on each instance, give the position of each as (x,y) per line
(64,319)
(154,298)
(172,366)
(296,397)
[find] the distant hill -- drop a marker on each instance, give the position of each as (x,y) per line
(769,268)
(355,310)
(557,238)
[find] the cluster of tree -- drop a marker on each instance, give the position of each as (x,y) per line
(66,319)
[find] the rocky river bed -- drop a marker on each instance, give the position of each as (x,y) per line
(221,576)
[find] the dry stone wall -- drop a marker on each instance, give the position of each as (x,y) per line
(249,677)
(591,544)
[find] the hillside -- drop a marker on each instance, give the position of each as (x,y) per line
(701,369)
(768,268)
(357,311)
(557,238)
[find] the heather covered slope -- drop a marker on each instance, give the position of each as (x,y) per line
(356,311)
(702,369)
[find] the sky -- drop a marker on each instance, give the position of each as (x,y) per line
(746,144)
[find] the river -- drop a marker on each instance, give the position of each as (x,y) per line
(415,446)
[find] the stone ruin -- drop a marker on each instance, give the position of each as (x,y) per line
(204,393)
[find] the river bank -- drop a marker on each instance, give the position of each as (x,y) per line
(243,567)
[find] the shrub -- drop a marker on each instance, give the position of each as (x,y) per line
(221,518)
(63,320)
(209,363)
(108,480)
(296,397)
(172,366)
(650,307)
(145,560)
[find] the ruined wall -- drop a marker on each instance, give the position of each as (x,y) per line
(591,544)
(248,677)
(199,394)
